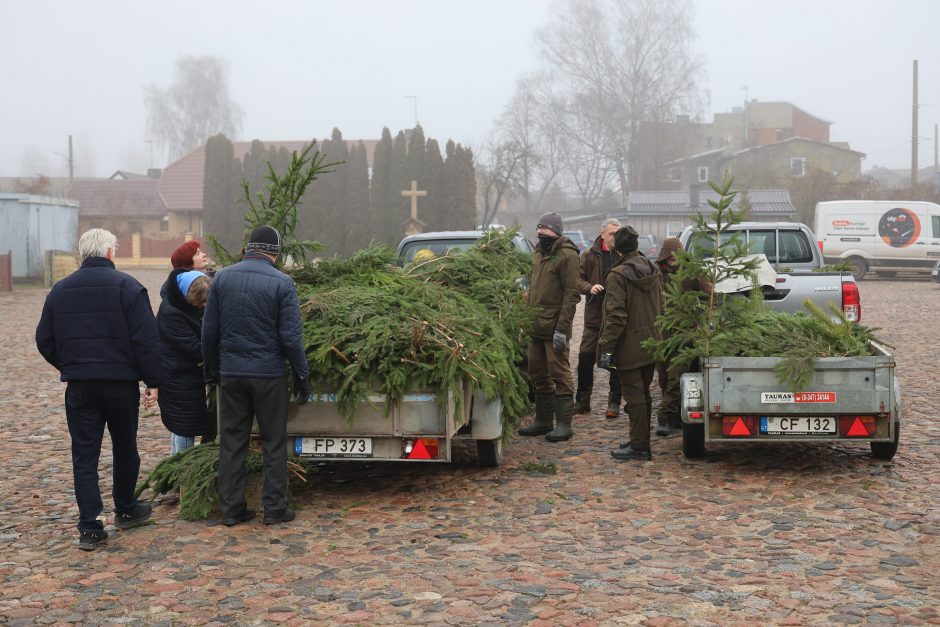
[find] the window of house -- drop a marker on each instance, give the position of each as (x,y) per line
(96,224)
(708,142)
(134,227)
(674,228)
(165,224)
(797,166)
(703,174)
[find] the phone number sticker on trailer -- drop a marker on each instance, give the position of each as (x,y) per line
(798,397)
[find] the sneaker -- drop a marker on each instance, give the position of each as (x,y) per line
(244,516)
(281,516)
(134,518)
(91,539)
(613,410)
(664,431)
(629,453)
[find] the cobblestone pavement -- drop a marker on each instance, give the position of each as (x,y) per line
(788,535)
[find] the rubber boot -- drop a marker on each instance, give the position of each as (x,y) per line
(585,383)
(614,396)
(544,416)
(564,407)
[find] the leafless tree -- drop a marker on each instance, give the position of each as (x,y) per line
(499,170)
(626,62)
(196,106)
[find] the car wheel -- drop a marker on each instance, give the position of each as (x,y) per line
(858,267)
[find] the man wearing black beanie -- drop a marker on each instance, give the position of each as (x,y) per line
(250,328)
(553,294)
(634,299)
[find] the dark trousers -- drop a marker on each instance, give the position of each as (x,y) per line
(668,415)
(89,407)
(587,358)
(242,400)
(635,384)
(549,370)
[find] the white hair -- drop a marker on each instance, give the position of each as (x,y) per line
(96,243)
(611,222)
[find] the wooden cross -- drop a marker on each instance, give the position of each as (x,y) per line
(414,194)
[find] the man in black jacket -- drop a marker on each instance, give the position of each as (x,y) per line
(251,325)
(98,330)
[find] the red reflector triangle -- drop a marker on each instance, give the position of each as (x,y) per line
(857,428)
(420,451)
(739,428)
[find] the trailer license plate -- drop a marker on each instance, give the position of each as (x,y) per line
(334,447)
(785,425)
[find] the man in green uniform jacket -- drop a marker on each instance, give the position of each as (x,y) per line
(634,299)
(553,294)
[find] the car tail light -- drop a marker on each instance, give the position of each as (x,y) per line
(820,242)
(857,426)
(738,426)
(851,302)
(420,448)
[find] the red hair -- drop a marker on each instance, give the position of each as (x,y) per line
(182,257)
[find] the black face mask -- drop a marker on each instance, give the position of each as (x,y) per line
(547,241)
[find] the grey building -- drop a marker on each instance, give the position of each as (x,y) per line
(30,225)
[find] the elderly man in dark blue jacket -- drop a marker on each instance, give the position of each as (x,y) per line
(98,330)
(250,328)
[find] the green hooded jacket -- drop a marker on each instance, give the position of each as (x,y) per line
(553,289)
(634,299)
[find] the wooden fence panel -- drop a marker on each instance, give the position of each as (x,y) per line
(6,272)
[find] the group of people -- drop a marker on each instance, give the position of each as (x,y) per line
(235,329)
(624,295)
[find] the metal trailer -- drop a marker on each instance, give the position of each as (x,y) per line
(419,428)
(739,399)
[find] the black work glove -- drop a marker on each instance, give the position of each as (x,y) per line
(302,389)
(606,360)
(559,342)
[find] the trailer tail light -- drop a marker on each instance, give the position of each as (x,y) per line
(738,426)
(420,448)
(695,415)
(851,302)
(857,426)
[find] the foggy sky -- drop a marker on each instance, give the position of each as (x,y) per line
(298,69)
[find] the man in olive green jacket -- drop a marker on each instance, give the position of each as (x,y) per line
(634,299)
(553,294)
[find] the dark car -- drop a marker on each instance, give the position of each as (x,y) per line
(439,243)
(648,246)
(579,240)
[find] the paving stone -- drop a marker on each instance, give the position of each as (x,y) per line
(754,533)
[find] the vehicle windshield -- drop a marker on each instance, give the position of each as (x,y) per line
(794,248)
(429,248)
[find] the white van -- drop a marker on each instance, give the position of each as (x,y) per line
(881,236)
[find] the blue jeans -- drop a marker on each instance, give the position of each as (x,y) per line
(89,407)
(179,443)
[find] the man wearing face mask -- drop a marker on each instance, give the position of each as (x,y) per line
(553,294)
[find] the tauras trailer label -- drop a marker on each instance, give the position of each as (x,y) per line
(798,397)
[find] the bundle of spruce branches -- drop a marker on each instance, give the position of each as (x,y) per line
(370,326)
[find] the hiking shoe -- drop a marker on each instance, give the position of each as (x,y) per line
(280,516)
(664,431)
(91,539)
(244,516)
(613,410)
(630,453)
(134,518)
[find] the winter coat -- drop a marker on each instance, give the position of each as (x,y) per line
(553,289)
(182,396)
(595,262)
(97,325)
(252,322)
(634,299)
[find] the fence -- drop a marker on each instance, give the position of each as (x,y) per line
(59,264)
(6,272)
(136,251)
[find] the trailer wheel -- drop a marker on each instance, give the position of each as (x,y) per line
(693,440)
(490,452)
(858,267)
(887,450)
